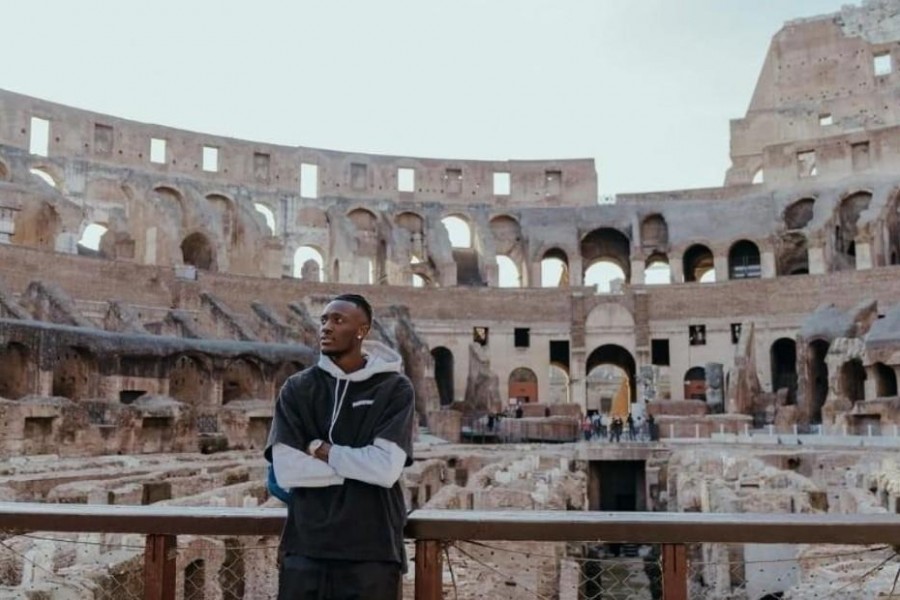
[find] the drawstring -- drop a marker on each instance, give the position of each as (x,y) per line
(338,403)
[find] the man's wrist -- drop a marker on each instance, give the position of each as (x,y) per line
(319,449)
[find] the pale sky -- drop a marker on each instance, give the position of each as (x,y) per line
(645,87)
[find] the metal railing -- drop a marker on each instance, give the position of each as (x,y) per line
(188,551)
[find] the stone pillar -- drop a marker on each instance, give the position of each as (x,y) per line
(767,264)
(720,264)
(676,269)
(871,383)
(578,378)
(715,382)
(863,255)
(816,259)
(576,277)
(637,272)
(534,274)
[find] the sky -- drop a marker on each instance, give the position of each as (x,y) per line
(644,87)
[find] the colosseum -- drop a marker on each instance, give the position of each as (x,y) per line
(159,285)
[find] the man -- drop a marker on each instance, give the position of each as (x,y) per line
(340,437)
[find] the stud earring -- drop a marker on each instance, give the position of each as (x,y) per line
(359,337)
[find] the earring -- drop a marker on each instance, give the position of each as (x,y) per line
(359,337)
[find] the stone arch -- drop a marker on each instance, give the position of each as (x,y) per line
(853,380)
(793,254)
(846,229)
(507,234)
(172,203)
(555,268)
(459,229)
(269,215)
(657,270)
(369,243)
(48,175)
(233,570)
(697,261)
(817,378)
(800,213)
(783,360)
(414,225)
(74,373)
(309,264)
(242,379)
(654,234)
(198,251)
(885,380)
(607,245)
(190,381)
(523,385)
(36,226)
(613,354)
(508,273)
(744,261)
(91,240)
(15,371)
(443,373)
(695,384)
(222,208)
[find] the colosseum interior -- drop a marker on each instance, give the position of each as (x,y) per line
(158,285)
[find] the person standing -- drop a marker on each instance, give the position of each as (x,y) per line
(340,438)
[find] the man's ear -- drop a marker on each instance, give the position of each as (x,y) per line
(363,331)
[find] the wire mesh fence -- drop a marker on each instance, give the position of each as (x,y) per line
(111,567)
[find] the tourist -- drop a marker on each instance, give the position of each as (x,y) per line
(630,422)
(587,428)
(340,437)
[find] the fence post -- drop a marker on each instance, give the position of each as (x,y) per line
(429,570)
(674,572)
(159,567)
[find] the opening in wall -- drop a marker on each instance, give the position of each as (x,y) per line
(453,181)
(39,141)
(825,120)
(309,180)
(806,163)
(157,150)
(552,183)
(210,159)
(406,180)
(881,63)
(697,335)
(522,337)
(501,184)
(659,352)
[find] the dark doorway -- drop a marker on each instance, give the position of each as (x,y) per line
(783,356)
(617,485)
(853,380)
(443,374)
(817,370)
(886,381)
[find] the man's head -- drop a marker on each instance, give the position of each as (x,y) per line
(345,322)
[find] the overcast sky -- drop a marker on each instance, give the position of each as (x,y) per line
(645,87)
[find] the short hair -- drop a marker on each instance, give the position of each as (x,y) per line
(359,301)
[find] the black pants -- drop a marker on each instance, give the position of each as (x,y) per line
(303,578)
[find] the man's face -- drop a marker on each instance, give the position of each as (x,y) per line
(341,323)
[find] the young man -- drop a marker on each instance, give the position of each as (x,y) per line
(341,435)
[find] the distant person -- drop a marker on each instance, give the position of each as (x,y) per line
(587,428)
(630,422)
(341,435)
(519,411)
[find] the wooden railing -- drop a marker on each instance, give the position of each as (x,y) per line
(432,528)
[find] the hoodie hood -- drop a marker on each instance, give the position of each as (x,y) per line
(379,359)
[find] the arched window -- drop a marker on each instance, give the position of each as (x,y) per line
(308,264)
(508,274)
(698,264)
(743,261)
(267,214)
(555,269)
(90,237)
(459,231)
(602,274)
(657,270)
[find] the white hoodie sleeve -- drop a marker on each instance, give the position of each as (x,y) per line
(294,469)
(380,463)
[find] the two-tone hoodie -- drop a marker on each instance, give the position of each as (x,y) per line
(351,507)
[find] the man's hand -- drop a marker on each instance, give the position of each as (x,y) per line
(322,451)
